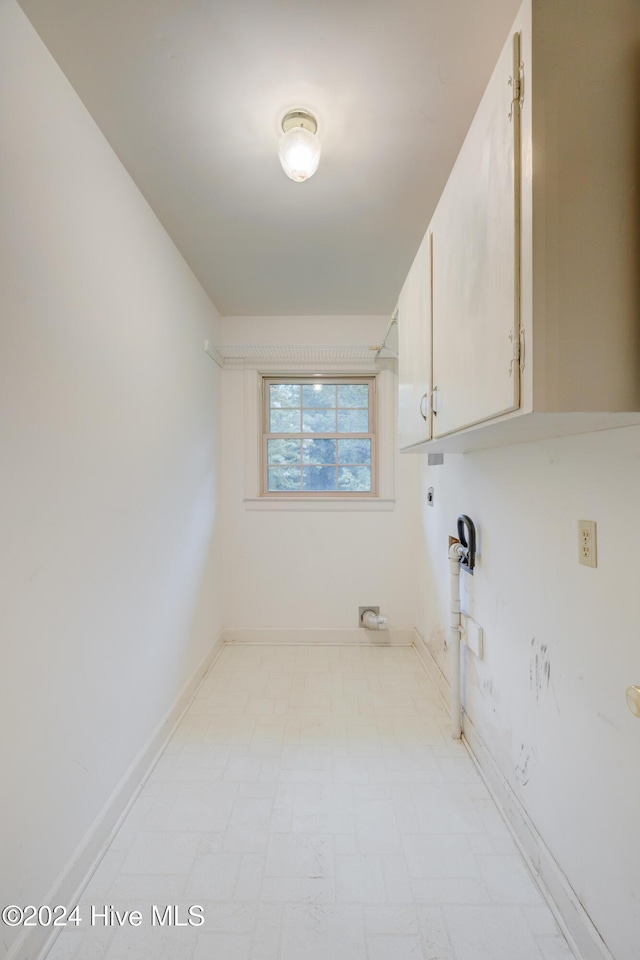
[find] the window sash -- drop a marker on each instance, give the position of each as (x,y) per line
(369,381)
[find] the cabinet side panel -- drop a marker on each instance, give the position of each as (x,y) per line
(414,367)
(586,206)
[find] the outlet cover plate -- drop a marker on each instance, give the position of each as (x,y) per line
(472,635)
(587,543)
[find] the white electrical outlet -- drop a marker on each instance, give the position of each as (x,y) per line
(587,543)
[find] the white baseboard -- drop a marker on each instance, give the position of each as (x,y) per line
(575,922)
(320,635)
(577,926)
(36,941)
(432,667)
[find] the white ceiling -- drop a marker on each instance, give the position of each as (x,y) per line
(190,94)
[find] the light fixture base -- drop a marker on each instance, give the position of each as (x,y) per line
(299,118)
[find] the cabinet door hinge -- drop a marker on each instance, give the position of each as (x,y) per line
(517,350)
(516,82)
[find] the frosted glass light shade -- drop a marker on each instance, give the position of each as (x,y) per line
(299,152)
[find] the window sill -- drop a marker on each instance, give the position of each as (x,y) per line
(320,504)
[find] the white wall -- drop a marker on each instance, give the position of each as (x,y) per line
(562,645)
(109,470)
(310,569)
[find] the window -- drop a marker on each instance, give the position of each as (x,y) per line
(319,437)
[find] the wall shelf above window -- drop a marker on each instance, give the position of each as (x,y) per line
(226,354)
(232,354)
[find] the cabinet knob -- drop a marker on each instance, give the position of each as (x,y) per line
(424,405)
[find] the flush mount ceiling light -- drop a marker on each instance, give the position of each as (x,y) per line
(299,148)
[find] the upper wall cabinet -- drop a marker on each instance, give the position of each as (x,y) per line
(476,264)
(527,325)
(414,351)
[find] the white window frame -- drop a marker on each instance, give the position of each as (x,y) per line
(328,380)
(384,417)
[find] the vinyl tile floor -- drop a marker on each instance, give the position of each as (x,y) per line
(312,805)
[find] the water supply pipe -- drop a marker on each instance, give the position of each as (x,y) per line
(456,553)
(462,556)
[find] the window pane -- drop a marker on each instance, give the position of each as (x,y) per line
(353,421)
(353,395)
(319,451)
(285,421)
(319,479)
(283,451)
(318,436)
(284,478)
(284,394)
(319,395)
(354,451)
(319,421)
(354,479)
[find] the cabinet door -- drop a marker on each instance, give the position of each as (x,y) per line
(476,265)
(414,352)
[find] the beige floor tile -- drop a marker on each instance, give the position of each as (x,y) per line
(298,890)
(436,856)
(222,947)
(213,876)
(554,948)
(508,880)
(300,855)
(498,933)
(391,920)
(359,879)
(162,853)
(318,931)
(395,948)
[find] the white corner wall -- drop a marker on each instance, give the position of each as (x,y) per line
(562,644)
(110,593)
(308,569)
